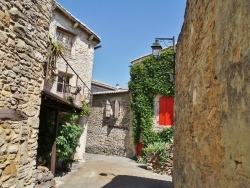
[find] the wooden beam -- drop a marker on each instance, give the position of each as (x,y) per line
(75,25)
(46,73)
(11,114)
(53,153)
(91,37)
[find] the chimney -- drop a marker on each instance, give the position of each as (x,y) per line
(117,86)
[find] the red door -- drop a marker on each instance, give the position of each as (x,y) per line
(139,148)
(166,110)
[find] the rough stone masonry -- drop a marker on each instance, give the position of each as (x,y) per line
(212,106)
(110,136)
(24,26)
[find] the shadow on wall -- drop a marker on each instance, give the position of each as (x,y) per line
(137,182)
(129,140)
(112,122)
(109,122)
(109,132)
(123,122)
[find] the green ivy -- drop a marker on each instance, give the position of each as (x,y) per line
(149,77)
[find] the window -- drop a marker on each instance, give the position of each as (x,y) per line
(166,109)
(63,83)
(65,39)
(112,109)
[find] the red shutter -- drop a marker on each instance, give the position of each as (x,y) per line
(166,110)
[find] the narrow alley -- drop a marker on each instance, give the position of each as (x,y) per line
(112,171)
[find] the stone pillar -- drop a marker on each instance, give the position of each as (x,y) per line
(80,150)
(24,29)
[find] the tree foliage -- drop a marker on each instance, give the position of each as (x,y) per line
(149,77)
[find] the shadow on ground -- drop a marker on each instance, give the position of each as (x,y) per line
(143,167)
(122,181)
(61,172)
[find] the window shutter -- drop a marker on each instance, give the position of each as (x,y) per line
(116,109)
(166,109)
(108,109)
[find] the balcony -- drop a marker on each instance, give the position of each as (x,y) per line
(63,88)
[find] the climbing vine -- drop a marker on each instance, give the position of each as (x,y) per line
(148,78)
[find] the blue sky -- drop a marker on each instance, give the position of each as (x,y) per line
(127,29)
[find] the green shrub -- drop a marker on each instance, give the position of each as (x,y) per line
(150,136)
(68,136)
(166,135)
(156,146)
(156,149)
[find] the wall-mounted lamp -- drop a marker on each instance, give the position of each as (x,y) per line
(156,51)
(156,46)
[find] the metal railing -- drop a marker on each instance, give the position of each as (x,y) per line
(67,84)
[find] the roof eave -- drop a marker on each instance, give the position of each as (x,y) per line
(110,92)
(93,35)
(102,84)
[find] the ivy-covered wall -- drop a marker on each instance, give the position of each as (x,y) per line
(149,77)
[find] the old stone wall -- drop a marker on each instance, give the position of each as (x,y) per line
(24,27)
(212,96)
(109,135)
(232,66)
(44,178)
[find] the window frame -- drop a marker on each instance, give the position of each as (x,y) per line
(65,35)
(63,83)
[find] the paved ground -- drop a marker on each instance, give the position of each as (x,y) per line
(101,171)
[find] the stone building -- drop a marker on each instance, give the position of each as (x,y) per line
(212,106)
(67,82)
(24,27)
(78,43)
(110,122)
